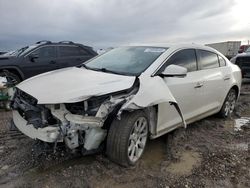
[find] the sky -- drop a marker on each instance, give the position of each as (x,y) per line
(111,23)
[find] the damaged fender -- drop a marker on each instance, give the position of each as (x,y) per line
(152,91)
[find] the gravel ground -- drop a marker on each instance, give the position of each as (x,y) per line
(209,153)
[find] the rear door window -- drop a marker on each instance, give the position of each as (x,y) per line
(207,59)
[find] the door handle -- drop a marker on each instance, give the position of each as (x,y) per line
(52,62)
(198,85)
(226,78)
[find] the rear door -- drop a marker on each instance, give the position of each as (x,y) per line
(72,55)
(216,79)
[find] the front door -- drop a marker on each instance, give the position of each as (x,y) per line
(187,91)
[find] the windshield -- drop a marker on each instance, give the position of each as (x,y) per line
(20,51)
(126,60)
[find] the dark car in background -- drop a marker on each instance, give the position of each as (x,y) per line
(243,61)
(42,57)
(243,48)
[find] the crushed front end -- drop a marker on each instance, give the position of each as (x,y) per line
(34,120)
(78,125)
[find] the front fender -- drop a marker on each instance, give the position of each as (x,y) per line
(152,91)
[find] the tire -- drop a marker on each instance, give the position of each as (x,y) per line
(229,104)
(12,78)
(127,138)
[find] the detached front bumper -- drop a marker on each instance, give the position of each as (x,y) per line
(46,134)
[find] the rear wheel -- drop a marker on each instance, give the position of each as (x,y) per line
(229,104)
(127,138)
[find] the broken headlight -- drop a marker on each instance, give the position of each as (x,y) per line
(88,107)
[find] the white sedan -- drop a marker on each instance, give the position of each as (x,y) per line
(121,98)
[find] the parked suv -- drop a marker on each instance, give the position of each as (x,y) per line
(42,57)
(243,61)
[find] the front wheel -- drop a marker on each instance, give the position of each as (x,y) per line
(127,138)
(12,78)
(229,104)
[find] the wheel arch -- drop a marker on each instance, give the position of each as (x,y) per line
(151,112)
(237,89)
(223,112)
(13,70)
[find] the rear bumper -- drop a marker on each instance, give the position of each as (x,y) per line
(46,134)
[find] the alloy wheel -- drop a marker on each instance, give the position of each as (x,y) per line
(138,139)
(230,103)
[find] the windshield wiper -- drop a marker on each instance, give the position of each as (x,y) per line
(109,71)
(106,70)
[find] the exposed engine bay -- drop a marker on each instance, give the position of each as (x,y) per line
(77,124)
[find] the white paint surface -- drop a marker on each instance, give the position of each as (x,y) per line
(73,85)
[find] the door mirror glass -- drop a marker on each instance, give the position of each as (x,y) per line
(174,70)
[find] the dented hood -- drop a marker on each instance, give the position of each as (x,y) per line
(73,85)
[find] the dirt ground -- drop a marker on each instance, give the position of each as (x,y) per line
(209,153)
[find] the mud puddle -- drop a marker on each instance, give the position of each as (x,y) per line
(187,162)
(240,122)
(155,152)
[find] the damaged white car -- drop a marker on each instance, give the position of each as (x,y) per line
(121,98)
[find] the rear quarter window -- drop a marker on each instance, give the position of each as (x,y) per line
(82,51)
(222,61)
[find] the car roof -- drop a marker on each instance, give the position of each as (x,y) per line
(174,47)
(177,46)
(66,43)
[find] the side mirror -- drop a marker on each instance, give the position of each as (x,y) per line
(174,70)
(32,57)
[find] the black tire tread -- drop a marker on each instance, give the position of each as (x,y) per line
(117,139)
